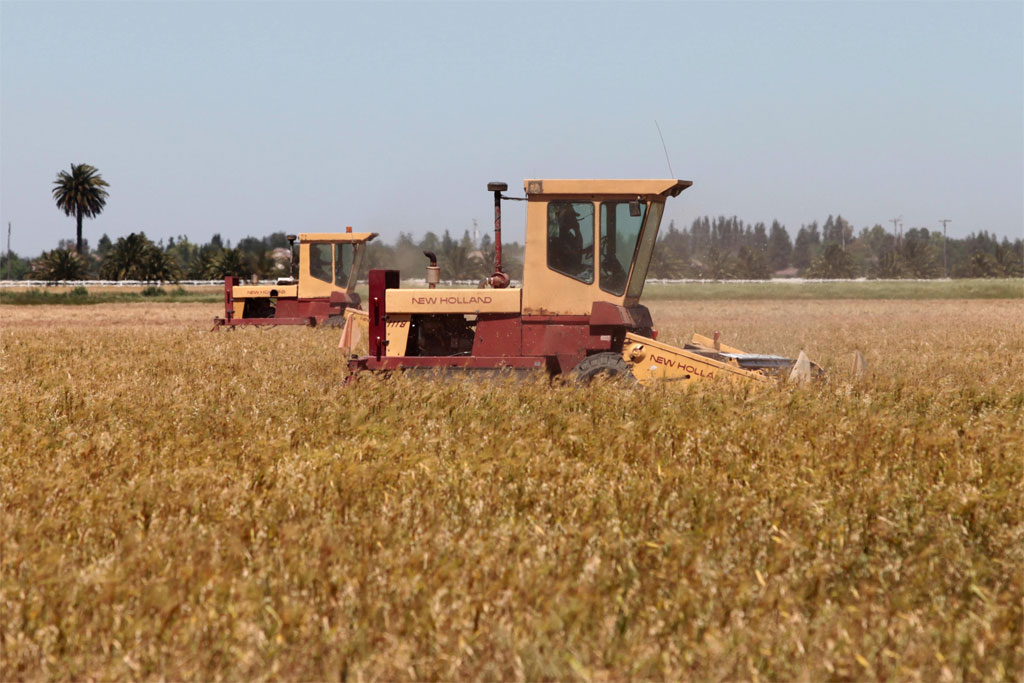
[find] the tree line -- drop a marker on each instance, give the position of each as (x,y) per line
(136,257)
(725,248)
(710,248)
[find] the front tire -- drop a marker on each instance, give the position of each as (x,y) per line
(607,366)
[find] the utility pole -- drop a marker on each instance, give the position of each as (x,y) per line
(896,228)
(8,250)
(945,271)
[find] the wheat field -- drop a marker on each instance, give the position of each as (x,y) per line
(183,504)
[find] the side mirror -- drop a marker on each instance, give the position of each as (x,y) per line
(634,208)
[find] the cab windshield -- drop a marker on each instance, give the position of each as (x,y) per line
(644,249)
(344,254)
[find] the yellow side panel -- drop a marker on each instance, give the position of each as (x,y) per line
(265,291)
(452,301)
(398,333)
(653,362)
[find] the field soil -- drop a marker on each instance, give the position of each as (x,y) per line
(184,504)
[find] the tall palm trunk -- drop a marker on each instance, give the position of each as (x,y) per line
(78,247)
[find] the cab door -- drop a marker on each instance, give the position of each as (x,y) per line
(316,270)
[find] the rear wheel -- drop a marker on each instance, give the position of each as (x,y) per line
(603,366)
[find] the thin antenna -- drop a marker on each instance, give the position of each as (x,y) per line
(671,173)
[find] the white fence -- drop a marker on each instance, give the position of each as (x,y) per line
(420,282)
(106,283)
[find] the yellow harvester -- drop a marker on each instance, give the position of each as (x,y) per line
(323,290)
(578,312)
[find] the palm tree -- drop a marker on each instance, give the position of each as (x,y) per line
(227,262)
(80,193)
(124,260)
(59,264)
(135,257)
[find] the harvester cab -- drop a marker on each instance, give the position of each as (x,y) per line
(588,248)
(318,291)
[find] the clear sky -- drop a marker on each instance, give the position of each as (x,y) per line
(245,118)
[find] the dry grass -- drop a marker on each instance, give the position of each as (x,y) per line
(183,504)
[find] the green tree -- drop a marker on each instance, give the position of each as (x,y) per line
(202,266)
(157,264)
(59,264)
(888,267)
(460,260)
(832,264)
(780,248)
(759,239)
(751,264)
(805,247)
(1009,259)
(718,265)
(103,246)
(135,257)
(666,263)
(263,265)
(80,194)
(918,258)
(227,262)
(982,264)
(124,260)
(13,267)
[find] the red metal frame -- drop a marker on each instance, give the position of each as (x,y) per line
(555,342)
(398,362)
(288,311)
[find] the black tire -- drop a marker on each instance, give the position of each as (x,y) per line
(607,365)
(334,321)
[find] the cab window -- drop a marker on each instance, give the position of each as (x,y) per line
(320,265)
(619,234)
(645,249)
(571,239)
(343,254)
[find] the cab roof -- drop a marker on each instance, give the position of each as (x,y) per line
(647,188)
(336,236)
